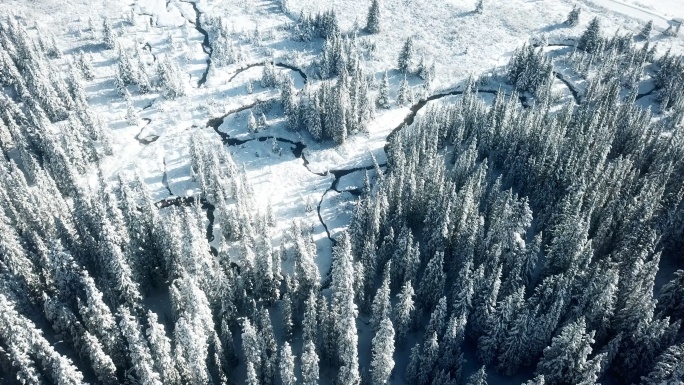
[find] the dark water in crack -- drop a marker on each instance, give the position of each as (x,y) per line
(573,90)
(206,46)
(149,139)
(281,65)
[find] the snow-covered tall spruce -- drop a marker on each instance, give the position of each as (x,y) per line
(373,22)
(573,16)
(405,60)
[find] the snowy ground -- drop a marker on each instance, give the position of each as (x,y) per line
(458,40)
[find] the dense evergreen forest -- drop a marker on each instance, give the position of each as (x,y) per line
(520,239)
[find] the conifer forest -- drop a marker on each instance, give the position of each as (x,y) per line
(347,192)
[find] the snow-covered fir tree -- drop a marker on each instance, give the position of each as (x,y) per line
(108,37)
(573,16)
(405,61)
(479,7)
(382,361)
(383,96)
(287,365)
(309,364)
(646,31)
(373,22)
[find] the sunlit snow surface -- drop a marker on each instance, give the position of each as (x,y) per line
(459,41)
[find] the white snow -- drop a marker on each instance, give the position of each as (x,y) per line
(645,12)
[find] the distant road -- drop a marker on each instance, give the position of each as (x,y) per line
(634,11)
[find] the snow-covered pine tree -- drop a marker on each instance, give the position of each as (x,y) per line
(432,284)
(252,123)
(479,377)
(646,31)
(127,72)
(269,351)
(269,77)
(590,39)
(262,123)
(288,325)
(381,307)
(669,367)
(373,19)
(83,64)
(565,360)
(497,325)
(138,348)
(573,16)
(406,258)
(170,78)
(108,37)
(413,367)
(132,116)
(325,326)
(479,7)
(24,341)
(99,319)
(428,359)
(404,311)
(383,93)
(339,114)
(251,346)
(143,80)
(287,365)
(406,56)
(382,361)
(437,319)
(671,298)
(160,348)
(306,271)
(451,356)
(344,311)
(252,375)
(404,93)
(309,364)
(289,101)
(102,364)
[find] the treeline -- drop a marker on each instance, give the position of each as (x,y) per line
(534,234)
(78,261)
(87,264)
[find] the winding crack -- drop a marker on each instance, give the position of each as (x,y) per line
(333,242)
(413,111)
(645,94)
(281,65)
(148,47)
(148,140)
(206,47)
(165,178)
(215,123)
(333,187)
(573,90)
